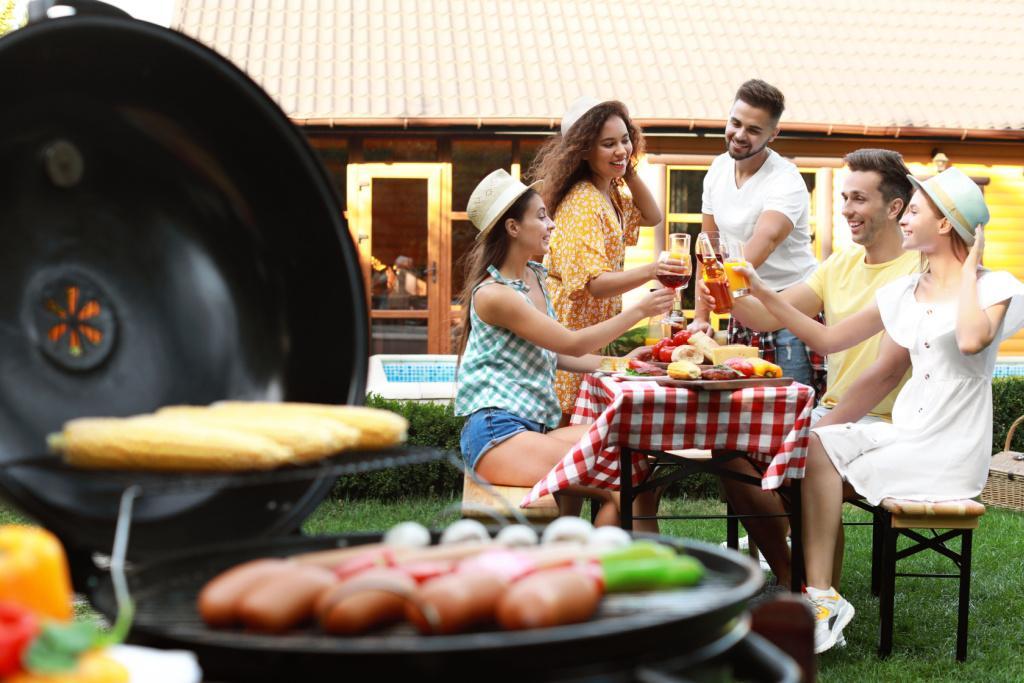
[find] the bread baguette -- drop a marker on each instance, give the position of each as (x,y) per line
(703,343)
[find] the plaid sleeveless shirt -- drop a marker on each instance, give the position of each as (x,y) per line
(502,370)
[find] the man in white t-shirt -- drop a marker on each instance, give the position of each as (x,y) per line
(753,195)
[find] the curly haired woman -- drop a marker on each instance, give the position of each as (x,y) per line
(598,203)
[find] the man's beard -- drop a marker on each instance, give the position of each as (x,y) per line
(749,154)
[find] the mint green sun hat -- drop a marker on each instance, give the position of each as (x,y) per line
(959,199)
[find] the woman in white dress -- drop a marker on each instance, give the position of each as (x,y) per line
(946,323)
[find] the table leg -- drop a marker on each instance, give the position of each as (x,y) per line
(796,530)
(626,488)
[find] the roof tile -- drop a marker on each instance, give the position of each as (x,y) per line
(853,62)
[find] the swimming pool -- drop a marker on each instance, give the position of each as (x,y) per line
(432,378)
(413,377)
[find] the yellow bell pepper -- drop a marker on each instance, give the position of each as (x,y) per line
(94,667)
(34,571)
(763,368)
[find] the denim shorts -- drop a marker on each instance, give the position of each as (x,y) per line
(488,427)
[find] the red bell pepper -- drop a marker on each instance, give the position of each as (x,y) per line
(18,626)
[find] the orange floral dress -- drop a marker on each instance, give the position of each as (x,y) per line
(588,240)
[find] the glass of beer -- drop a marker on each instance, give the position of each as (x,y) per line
(712,252)
(738,283)
(678,250)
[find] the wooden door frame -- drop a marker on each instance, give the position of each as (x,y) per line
(360,213)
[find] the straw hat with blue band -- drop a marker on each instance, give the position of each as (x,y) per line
(493,197)
(959,199)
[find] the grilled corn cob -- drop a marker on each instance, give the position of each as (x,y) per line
(157,443)
(310,437)
(377,428)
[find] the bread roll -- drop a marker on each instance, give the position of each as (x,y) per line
(688,353)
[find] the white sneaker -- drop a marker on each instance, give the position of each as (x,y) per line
(831,614)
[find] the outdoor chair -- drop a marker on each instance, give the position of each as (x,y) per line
(895,518)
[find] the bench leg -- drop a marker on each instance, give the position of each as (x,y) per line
(877,531)
(732,528)
(965,595)
(888,586)
(626,488)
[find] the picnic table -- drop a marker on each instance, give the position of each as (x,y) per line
(632,420)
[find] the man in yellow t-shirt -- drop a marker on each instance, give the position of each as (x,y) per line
(874,195)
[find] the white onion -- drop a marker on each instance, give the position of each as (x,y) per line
(465,531)
(407,535)
(609,537)
(567,529)
(517,536)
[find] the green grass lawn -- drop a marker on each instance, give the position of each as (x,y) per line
(925,608)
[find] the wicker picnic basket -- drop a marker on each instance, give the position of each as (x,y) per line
(1005,487)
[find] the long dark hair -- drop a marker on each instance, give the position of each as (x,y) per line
(560,162)
(489,250)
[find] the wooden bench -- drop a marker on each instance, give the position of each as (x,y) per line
(497,502)
(895,518)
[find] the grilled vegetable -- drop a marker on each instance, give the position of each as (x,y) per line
(18,626)
(34,571)
(156,443)
(683,369)
(377,428)
(763,368)
(309,437)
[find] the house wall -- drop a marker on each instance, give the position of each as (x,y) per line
(1002,163)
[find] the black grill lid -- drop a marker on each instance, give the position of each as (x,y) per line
(166,236)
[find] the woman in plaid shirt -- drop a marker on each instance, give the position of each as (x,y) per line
(511,343)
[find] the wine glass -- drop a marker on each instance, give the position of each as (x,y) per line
(679,251)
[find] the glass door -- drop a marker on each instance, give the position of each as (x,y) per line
(398,215)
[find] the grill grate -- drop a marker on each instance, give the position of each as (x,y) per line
(161,483)
(165,594)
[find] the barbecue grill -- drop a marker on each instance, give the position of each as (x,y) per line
(170,238)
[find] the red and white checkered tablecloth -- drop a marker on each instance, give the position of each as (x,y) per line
(771,423)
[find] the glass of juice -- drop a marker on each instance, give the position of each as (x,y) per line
(678,252)
(655,332)
(738,283)
(711,251)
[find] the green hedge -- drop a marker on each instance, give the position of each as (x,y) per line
(436,425)
(430,424)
